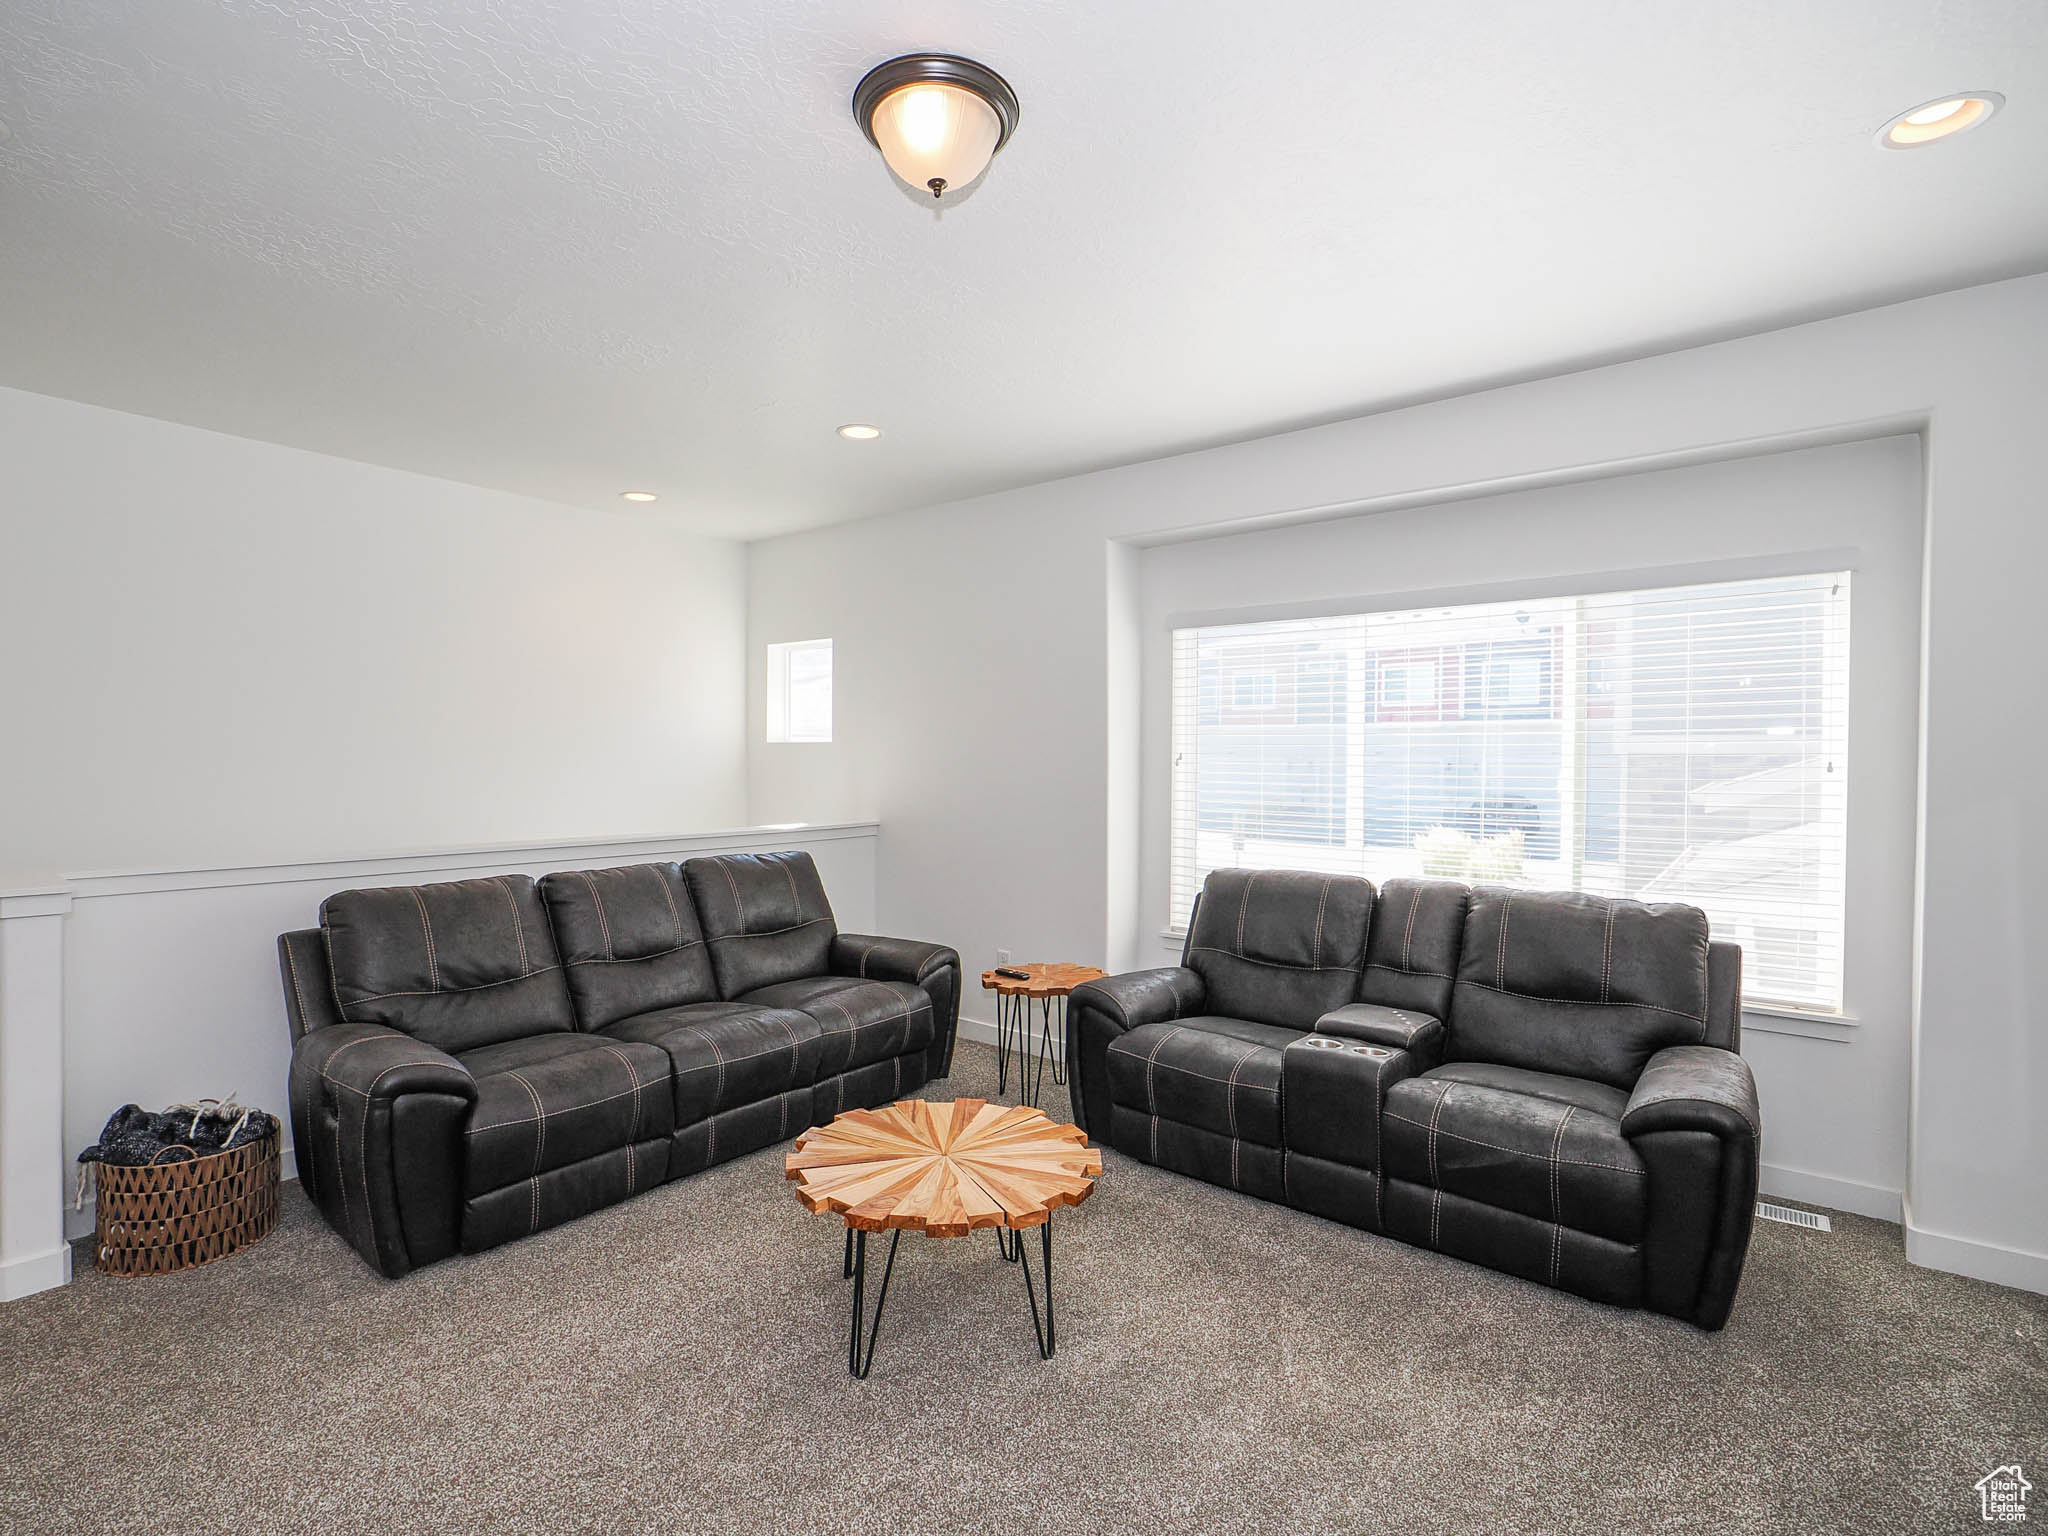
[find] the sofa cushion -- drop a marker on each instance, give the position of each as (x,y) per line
(552,1100)
(1217,1074)
(859,1022)
(1585,986)
(458,964)
(765,916)
(1279,946)
(1539,1144)
(723,1055)
(629,939)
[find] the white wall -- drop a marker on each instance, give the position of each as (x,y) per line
(1834,1097)
(220,651)
(975,719)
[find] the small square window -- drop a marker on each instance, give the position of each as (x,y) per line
(800,690)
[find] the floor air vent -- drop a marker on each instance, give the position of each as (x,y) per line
(1813,1221)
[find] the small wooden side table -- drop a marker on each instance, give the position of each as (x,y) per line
(1047,985)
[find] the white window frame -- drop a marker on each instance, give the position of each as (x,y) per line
(1587,677)
(783,726)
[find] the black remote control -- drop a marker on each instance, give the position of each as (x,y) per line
(1013,973)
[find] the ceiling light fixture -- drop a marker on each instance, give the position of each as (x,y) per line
(937,119)
(1939,119)
(859,432)
(638,496)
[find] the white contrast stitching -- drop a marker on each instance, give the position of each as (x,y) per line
(769,933)
(1556,1197)
(633,1072)
(540,1142)
(504,884)
(482,986)
(739,906)
(1571,1162)
(1278,965)
(1322,901)
(291,966)
(1408,934)
(1607,955)
(427,928)
(1589,1002)
(1151,1087)
(668,896)
(1436,1204)
(569,1109)
(1230,1110)
(604,926)
(1242,907)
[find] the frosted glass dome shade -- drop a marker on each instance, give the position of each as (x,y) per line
(935,136)
(937,118)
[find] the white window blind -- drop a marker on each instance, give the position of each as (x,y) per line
(800,690)
(1679,744)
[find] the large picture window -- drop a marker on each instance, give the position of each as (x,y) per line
(1678,744)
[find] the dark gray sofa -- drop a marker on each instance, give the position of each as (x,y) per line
(1543,1082)
(479,1059)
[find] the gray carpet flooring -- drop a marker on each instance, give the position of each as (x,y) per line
(677,1364)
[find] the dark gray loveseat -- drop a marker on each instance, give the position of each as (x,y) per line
(1544,1082)
(479,1059)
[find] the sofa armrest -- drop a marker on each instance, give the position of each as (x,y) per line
(1695,1088)
(866,955)
(379,1119)
(1421,1035)
(1693,1120)
(934,967)
(1099,1011)
(1143,997)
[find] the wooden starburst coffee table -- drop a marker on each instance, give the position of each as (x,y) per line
(945,1170)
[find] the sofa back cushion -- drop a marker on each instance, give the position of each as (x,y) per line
(1586,986)
(630,940)
(765,918)
(1411,957)
(1279,946)
(458,964)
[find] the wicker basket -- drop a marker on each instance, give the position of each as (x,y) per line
(159,1219)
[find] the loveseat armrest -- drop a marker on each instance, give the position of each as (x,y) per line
(1143,997)
(1695,1088)
(378,1119)
(934,967)
(1421,1035)
(1100,1011)
(1693,1119)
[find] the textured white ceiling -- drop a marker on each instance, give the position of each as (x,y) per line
(572,248)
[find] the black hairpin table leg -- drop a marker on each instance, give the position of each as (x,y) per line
(1048,1339)
(857,1361)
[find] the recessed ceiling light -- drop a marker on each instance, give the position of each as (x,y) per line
(638,496)
(1939,119)
(860,432)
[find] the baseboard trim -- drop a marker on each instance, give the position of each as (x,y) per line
(1837,1194)
(2016,1267)
(980,1031)
(37,1272)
